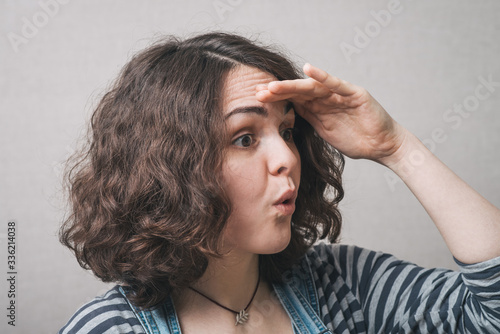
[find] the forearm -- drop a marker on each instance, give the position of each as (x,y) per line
(469,224)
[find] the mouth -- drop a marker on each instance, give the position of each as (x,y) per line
(286,202)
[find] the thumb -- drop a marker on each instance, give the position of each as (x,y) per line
(310,117)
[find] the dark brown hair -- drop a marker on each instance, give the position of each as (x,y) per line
(147,201)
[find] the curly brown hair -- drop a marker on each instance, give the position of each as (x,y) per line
(148,206)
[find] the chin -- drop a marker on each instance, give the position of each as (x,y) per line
(276,246)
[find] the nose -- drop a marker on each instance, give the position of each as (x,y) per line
(283,157)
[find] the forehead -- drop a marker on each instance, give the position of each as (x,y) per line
(240,87)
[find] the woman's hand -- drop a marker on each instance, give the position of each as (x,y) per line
(343,114)
(352,121)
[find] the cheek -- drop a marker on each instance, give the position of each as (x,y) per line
(242,181)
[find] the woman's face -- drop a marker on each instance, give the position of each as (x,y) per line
(261,169)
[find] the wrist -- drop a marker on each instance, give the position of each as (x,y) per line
(410,154)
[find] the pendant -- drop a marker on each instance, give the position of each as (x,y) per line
(241,317)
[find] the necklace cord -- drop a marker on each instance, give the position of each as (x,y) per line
(227,308)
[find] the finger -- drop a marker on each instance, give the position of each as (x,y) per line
(337,85)
(267,96)
(309,87)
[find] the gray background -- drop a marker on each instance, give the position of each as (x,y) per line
(427,58)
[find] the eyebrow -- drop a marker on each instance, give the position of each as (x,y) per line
(257,110)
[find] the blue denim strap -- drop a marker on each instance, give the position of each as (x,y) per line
(298,298)
(304,318)
(170,315)
(311,287)
(161,320)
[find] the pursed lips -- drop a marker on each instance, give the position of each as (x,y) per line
(288,196)
(286,202)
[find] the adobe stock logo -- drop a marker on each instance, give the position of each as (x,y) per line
(372,29)
(224,6)
(453,118)
(31,27)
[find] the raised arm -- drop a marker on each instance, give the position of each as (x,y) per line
(351,120)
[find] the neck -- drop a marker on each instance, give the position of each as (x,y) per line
(230,280)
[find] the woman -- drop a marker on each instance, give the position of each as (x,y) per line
(209,175)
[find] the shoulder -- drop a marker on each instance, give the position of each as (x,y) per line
(108,313)
(351,265)
(342,257)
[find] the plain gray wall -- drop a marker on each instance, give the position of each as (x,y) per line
(57,57)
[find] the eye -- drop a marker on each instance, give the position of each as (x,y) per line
(244,141)
(288,134)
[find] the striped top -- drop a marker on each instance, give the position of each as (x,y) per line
(359,291)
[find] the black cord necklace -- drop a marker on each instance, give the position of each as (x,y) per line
(241,316)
